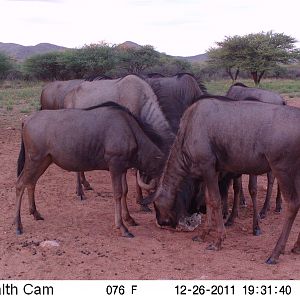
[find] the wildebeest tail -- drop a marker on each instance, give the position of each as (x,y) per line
(21,159)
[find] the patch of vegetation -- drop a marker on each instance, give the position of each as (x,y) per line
(23,96)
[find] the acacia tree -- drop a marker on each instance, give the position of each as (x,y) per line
(135,61)
(227,55)
(256,53)
(91,60)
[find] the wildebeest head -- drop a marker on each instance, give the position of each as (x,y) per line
(164,208)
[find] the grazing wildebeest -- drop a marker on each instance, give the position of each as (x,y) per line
(240,92)
(131,92)
(175,94)
(106,137)
(217,136)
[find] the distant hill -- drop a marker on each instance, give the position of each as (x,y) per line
(195,58)
(129,45)
(191,59)
(20,52)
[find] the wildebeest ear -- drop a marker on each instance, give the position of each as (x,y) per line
(149,199)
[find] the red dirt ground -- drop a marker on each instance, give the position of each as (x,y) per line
(90,247)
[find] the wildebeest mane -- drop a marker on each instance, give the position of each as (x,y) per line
(175,94)
(240,84)
(236,84)
(147,128)
(199,81)
(155,75)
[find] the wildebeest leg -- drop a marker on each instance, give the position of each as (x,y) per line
(293,203)
(139,196)
(208,219)
(266,205)
(278,207)
(126,216)
(32,208)
(79,189)
(85,183)
(296,248)
(242,196)
(236,201)
(116,178)
(253,193)
(292,209)
(28,178)
(20,188)
(224,184)
(214,205)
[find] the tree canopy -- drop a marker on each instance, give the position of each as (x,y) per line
(6,64)
(255,53)
(101,59)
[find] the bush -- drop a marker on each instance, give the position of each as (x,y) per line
(6,65)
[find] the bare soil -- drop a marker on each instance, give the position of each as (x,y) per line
(91,248)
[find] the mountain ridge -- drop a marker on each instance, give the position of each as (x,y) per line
(20,52)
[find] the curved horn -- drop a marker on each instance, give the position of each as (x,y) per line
(144,185)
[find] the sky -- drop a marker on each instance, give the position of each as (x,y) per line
(175,27)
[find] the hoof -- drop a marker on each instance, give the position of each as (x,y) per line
(262,214)
(197,238)
(82,197)
(296,250)
(19,231)
(88,188)
(271,261)
(257,232)
(128,235)
(228,223)
(37,216)
(145,208)
(213,247)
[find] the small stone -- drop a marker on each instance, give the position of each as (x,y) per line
(49,244)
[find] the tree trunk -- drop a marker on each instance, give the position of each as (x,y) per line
(260,76)
(236,74)
(228,70)
(255,77)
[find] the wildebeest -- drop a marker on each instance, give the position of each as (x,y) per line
(129,91)
(240,92)
(106,137)
(175,94)
(216,136)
